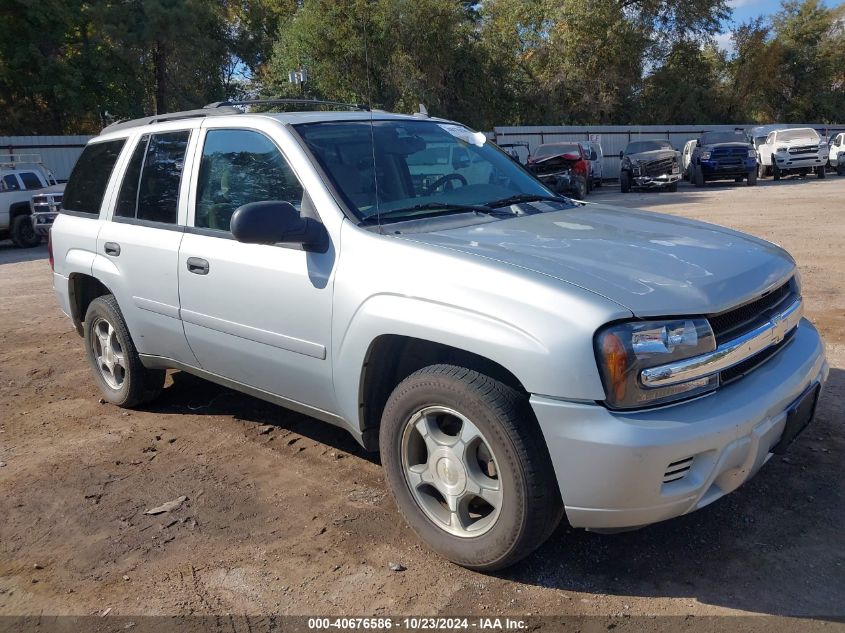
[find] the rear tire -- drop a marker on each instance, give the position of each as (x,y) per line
(122,378)
(23,234)
(434,427)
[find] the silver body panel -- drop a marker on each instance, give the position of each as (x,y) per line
(529,293)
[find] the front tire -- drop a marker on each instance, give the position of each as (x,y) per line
(625,181)
(775,170)
(821,174)
(468,467)
(698,176)
(122,378)
(23,234)
(752,178)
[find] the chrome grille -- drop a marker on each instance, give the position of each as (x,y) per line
(658,167)
(736,321)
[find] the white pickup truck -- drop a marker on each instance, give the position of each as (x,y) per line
(836,153)
(792,151)
(20,176)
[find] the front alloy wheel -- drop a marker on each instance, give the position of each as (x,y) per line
(466,461)
(451,471)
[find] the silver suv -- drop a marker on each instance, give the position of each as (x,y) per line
(513,355)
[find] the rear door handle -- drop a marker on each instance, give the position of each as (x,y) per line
(112,248)
(198,266)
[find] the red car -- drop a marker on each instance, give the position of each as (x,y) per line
(563,167)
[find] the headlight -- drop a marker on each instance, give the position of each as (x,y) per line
(705,155)
(752,153)
(636,168)
(623,350)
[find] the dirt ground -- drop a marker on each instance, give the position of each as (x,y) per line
(297,519)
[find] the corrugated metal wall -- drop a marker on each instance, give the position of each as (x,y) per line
(59,153)
(614,138)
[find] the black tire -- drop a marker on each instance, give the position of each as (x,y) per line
(762,171)
(531,506)
(775,171)
(583,189)
(139,384)
(840,167)
(821,173)
(752,178)
(23,234)
(625,181)
(672,188)
(698,176)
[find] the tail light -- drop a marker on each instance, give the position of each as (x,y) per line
(50,249)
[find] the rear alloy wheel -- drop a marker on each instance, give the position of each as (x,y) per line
(122,378)
(23,234)
(468,467)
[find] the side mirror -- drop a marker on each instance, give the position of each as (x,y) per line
(274,222)
(621,154)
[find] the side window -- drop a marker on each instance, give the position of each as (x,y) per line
(30,180)
(90,177)
(10,183)
(239,167)
(150,189)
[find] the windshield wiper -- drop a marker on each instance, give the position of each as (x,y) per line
(526,197)
(433,206)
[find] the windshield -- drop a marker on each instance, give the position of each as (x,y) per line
(638,147)
(419,164)
(799,134)
(555,149)
(711,138)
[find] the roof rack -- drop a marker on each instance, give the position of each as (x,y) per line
(311,102)
(172,116)
(12,160)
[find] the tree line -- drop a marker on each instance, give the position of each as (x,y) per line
(72,66)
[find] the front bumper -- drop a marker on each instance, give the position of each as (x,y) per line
(713,169)
(42,222)
(619,470)
(650,182)
(786,162)
(561,182)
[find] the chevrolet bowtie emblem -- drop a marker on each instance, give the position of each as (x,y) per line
(778,328)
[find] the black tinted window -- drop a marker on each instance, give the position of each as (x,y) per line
(158,190)
(127,200)
(238,167)
(30,180)
(10,183)
(90,177)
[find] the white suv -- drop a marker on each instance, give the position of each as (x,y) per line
(514,356)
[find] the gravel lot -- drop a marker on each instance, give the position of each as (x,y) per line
(296,519)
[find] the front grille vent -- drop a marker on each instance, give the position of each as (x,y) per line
(658,167)
(677,470)
(732,323)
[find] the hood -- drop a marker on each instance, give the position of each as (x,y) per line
(59,188)
(652,264)
(551,164)
(655,154)
(564,158)
(742,144)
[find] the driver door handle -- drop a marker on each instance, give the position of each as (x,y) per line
(198,266)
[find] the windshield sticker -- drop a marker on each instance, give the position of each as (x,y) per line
(474,138)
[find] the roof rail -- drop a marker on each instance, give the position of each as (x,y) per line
(311,102)
(172,116)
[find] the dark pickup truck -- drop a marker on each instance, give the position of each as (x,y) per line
(723,156)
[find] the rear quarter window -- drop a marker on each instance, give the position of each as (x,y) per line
(90,177)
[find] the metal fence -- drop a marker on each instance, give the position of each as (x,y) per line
(58,153)
(614,138)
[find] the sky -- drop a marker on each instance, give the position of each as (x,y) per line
(744,10)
